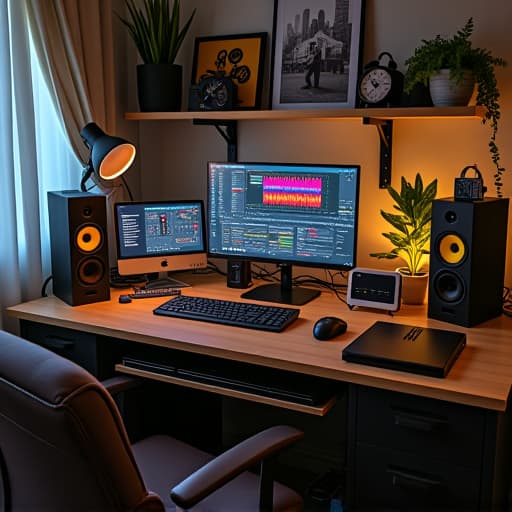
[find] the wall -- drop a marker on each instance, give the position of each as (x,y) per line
(173,155)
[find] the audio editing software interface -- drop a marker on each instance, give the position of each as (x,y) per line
(153,229)
(283,212)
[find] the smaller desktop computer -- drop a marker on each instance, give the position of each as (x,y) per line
(160,236)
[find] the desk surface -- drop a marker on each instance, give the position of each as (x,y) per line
(482,376)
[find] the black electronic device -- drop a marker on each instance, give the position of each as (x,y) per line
(377,289)
(287,214)
(160,236)
(213,92)
(469,189)
(238,314)
(467,260)
(329,327)
(79,247)
(239,273)
(381,85)
(409,348)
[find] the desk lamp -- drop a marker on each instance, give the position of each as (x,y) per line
(110,156)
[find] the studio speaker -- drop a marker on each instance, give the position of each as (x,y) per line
(79,247)
(467,260)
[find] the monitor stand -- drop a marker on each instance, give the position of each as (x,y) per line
(284,292)
(156,281)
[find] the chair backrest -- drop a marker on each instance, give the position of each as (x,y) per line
(63,446)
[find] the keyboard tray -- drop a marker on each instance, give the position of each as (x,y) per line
(269,382)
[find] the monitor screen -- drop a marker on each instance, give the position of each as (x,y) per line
(304,214)
(160,236)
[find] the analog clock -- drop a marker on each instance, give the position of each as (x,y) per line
(380,85)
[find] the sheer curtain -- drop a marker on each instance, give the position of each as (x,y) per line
(35,157)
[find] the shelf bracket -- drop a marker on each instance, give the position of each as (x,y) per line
(385,130)
(228,131)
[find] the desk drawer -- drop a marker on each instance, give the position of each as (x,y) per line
(420,425)
(79,347)
(387,479)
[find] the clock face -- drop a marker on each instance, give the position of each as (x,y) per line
(375,85)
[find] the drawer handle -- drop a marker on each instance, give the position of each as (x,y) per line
(58,343)
(417,421)
(408,480)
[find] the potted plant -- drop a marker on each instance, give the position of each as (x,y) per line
(455,61)
(411,239)
(156,33)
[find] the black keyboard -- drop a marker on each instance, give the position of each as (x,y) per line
(240,314)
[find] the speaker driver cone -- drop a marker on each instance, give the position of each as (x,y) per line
(449,287)
(88,238)
(91,271)
(451,249)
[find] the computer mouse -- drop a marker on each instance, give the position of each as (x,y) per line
(124,299)
(329,327)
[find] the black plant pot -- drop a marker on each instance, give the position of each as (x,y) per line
(159,87)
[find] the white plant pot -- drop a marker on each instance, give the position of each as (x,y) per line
(414,288)
(445,92)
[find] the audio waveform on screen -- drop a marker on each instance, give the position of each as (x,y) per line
(292,191)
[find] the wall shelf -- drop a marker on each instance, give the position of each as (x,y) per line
(382,118)
(296,115)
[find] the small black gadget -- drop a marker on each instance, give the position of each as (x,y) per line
(215,92)
(469,189)
(381,85)
(378,289)
(239,274)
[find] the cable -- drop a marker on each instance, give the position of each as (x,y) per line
(507,301)
(45,284)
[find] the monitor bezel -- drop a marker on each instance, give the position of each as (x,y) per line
(277,261)
(176,261)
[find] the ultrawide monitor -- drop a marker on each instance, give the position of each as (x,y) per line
(303,214)
(160,236)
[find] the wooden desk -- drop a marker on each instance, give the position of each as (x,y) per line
(477,388)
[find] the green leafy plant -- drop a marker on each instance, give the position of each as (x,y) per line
(156,31)
(459,56)
(412,239)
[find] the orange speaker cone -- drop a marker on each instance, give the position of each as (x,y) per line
(452,249)
(88,238)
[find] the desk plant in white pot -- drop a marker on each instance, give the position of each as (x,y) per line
(411,239)
(451,67)
(156,33)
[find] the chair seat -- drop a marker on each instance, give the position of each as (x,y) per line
(155,456)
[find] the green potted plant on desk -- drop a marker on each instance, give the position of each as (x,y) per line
(411,239)
(156,33)
(451,67)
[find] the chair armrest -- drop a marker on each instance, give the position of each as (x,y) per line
(232,463)
(120,383)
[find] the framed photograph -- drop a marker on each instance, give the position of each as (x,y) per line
(316,53)
(237,56)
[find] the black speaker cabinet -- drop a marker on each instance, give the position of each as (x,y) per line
(467,260)
(79,247)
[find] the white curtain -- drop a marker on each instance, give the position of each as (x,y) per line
(35,157)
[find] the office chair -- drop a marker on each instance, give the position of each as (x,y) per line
(63,448)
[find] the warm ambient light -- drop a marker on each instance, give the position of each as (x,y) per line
(110,156)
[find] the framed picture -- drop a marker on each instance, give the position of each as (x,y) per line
(316,53)
(237,56)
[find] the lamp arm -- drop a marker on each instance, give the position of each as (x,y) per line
(88,170)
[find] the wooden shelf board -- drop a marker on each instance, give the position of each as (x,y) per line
(276,115)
